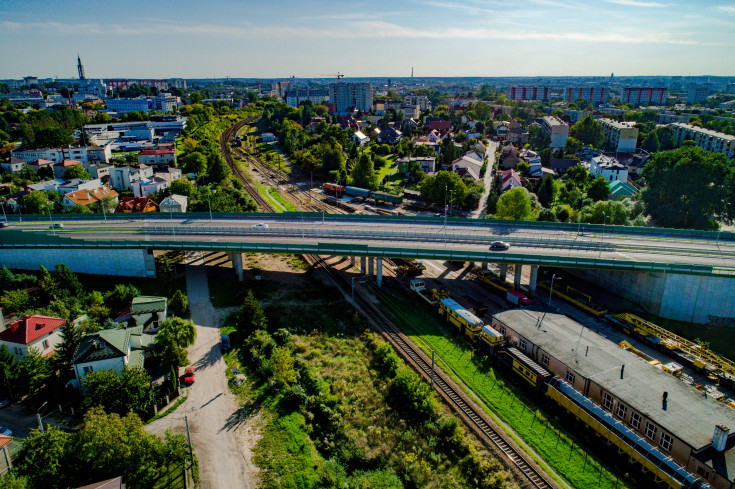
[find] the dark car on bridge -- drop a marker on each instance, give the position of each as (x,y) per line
(499,245)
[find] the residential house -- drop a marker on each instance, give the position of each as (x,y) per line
(39,332)
(56,155)
(428,164)
(148,311)
(115,483)
(47,185)
(268,137)
(36,165)
(76,184)
(390,135)
(136,204)
(86,197)
(620,190)
(14,165)
(502,132)
(509,156)
(620,137)
(510,180)
(562,164)
(468,174)
(438,124)
(123,177)
(63,165)
(99,170)
(518,135)
(144,188)
(157,157)
(360,139)
(608,167)
(466,165)
(174,203)
(5,461)
(111,349)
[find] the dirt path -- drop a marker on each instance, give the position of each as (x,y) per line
(487,182)
(217,431)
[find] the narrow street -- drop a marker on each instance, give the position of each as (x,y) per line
(211,409)
(490,150)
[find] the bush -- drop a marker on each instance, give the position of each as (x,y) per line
(411,396)
(179,303)
(385,360)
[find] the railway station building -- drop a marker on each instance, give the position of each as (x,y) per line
(675,417)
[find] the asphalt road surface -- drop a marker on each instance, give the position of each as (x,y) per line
(212,410)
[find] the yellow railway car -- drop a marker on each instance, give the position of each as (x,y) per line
(467,323)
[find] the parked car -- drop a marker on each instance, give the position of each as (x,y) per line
(5,431)
(224,343)
(260,225)
(499,245)
(189,375)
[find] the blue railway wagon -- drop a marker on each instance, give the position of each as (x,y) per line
(390,198)
(357,192)
(468,323)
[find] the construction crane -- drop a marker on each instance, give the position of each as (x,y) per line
(338,75)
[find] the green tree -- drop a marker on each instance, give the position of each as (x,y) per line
(195,162)
(546,191)
(174,336)
(120,297)
(364,173)
(578,176)
(76,171)
(8,370)
(588,131)
(183,186)
(650,143)
(686,187)
(251,316)
(448,151)
(599,189)
(42,458)
(443,187)
(217,169)
(52,137)
(282,363)
(36,202)
(13,481)
(522,167)
(18,301)
(515,204)
(412,396)
(34,372)
(179,303)
(71,336)
(537,139)
(121,393)
(572,145)
(546,215)
(606,212)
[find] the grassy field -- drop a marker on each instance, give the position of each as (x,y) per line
(349,429)
(522,413)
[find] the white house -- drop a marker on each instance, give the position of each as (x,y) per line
(609,168)
(40,332)
(157,157)
(466,164)
(268,137)
(14,165)
(360,139)
(123,177)
(110,349)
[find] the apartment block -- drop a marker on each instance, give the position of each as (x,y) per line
(620,137)
(84,154)
(348,95)
(697,93)
(644,96)
(294,97)
(528,93)
(556,129)
(596,95)
(422,101)
(706,139)
(124,105)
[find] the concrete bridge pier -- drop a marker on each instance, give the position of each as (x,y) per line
(352,260)
(236,258)
(371,262)
(532,280)
(503,271)
(517,278)
(379,276)
(363,266)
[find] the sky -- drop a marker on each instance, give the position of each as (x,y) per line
(378,38)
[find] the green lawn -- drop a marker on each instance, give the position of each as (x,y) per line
(521,412)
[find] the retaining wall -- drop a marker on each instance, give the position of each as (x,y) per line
(129,263)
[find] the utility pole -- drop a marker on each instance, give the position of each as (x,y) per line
(188,436)
(432,368)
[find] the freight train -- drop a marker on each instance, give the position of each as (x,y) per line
(340,190)
(663,470)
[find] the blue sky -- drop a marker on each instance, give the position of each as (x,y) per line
(280,38)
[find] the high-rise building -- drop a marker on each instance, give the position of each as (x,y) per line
(596,95)
(294,97)
(697,93)
(80,68)
(706,139)
(621,137)
(348,95)
(644,96)
(528,93)
(556,129)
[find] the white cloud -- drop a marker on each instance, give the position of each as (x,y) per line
(730,9)
(368,29)
(637,3)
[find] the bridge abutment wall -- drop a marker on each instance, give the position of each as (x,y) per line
(121,262)
(690,298)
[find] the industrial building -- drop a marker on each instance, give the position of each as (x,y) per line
(677,418)
(556,129)
(706,139)
(621,137)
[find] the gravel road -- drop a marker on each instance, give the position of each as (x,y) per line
(211,408)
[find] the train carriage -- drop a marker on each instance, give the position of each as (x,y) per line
(490,339)
(468,324)
(530,371)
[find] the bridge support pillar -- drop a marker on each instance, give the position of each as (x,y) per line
(379,276)
(236,258)
(503,271)
(517,280)
(483,265)
(352,260)
(371,262)
(363,267)
(532,280)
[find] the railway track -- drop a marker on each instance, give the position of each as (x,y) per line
(457,398)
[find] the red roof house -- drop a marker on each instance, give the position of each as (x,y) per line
(40,332)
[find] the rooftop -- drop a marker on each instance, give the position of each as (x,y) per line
(703,130)
(27,330)
(591,355)
(616,124)
(102,345)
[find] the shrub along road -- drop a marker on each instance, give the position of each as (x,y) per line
(211,408)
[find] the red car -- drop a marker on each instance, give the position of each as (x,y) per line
(189,375)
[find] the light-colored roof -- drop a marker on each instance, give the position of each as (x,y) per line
(709,132)
(86,197)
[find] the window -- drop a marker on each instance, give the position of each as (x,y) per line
(87,370)
(701,471)
(544,359)
(522,344)
(570,377)
(635,420)
(501,329)
(45,344)
(651,430)
(607,401)
(666,442)
(622,410)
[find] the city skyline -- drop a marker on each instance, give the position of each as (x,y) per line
(472,38)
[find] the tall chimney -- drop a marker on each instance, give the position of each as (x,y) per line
(719,439)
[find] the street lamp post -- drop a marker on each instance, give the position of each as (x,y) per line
(38,416)
(602,238)
(209,200)
(579,219)
(551,292)
(48,208)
